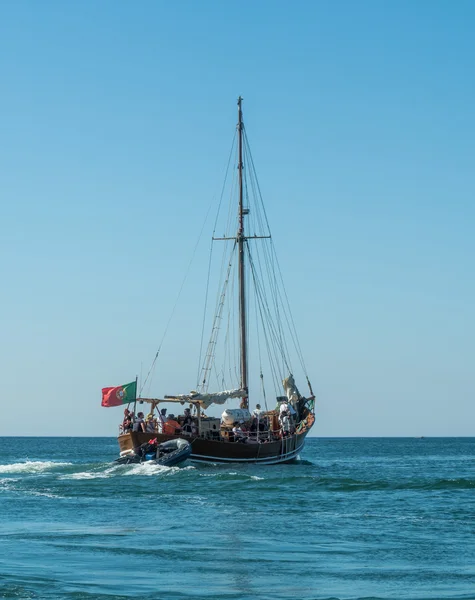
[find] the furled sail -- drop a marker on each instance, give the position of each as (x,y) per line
(206,400)
(291,390)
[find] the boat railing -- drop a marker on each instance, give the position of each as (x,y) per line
(268,435)
(225,434)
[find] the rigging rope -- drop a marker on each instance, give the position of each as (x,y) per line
(271,304)
(175,305)
(210,354)
(260,355)
(274,260)
(211,256)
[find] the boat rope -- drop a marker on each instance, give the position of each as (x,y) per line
(289,317)
(270,303)
(264,391)
(293,329)
(259,225)
(204,313)
(265,311)
(150,371)
(224,183)
(272,351)
(260,358)
(274,293)
(211,257)
(210,354)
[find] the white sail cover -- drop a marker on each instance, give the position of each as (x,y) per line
(290,388)
(206,400)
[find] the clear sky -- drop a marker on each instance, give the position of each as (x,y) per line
(116,120)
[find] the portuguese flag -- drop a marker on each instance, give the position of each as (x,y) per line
(123,394)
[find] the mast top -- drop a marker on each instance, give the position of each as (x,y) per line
(239,125)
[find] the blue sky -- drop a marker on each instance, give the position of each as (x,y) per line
(116,121)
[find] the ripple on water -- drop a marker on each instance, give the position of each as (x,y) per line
(386,519)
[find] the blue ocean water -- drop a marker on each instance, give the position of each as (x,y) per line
(355,518)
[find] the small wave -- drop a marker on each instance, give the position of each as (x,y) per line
(354,485)
(32,466)
(45,494)
(232,476)
(10,484)
(459,483)
(14,591)
(148,469)
(85,475)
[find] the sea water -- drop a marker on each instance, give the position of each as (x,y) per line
(355,518)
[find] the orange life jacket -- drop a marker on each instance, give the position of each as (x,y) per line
(170,427)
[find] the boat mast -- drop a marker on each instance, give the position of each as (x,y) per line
(241,240)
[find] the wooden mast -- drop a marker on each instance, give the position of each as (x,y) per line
(241,240)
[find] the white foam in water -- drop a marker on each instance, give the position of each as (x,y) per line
(218,474)
(32,466)
(113,471)
(126,470)
(85,475)
(46,494)
(109,472)
(148,469)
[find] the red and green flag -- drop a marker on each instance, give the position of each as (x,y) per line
(123,394)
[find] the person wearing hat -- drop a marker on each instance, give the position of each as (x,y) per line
(150,423)
(171,427)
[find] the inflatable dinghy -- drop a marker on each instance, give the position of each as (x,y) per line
(166,454)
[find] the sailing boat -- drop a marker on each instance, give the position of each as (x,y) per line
(271,436)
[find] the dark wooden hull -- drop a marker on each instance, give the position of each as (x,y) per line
(219,451)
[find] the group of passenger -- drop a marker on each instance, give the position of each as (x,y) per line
(163,423)
(287,418)
(253,430)
(260,425)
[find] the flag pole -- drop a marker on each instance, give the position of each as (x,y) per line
(135,400)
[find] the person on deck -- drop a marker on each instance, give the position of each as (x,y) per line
(284,418)
(139,424)
(258,419)
(284,408)
(187,424)
(171,427)
(257,412)
(285,424)
(162,417)
(239,434)
(150,424)
(127,422)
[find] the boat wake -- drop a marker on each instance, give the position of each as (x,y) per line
(141,470)
(31,466)
(63,471)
